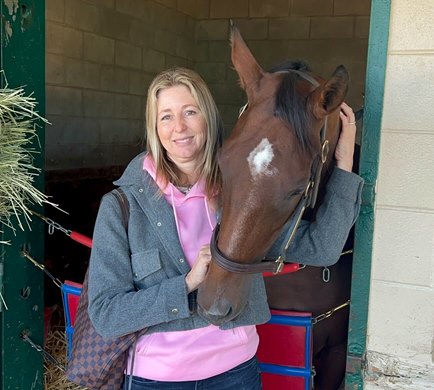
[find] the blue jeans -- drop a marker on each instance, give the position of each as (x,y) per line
(246,376)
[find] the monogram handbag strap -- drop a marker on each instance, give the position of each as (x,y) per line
(98,363)
(125,209)
(124,205)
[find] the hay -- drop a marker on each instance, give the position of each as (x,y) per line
(18,136)
(54,376)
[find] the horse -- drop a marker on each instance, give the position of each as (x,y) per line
(291,118)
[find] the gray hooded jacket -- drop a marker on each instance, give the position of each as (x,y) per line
(137,280)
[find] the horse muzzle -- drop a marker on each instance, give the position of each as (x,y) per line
(217,314)
(218,305)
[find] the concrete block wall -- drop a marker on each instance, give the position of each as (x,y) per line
(401,311)
(102,54)
(100,58)
(325,33)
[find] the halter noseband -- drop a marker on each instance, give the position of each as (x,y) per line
(308,199)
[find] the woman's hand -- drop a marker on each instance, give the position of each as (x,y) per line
(197,274)
(345,147)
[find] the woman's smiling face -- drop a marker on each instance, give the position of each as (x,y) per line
(181,127)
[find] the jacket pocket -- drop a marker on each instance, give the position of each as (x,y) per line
(147,265)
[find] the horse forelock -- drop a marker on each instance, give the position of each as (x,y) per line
(290,106)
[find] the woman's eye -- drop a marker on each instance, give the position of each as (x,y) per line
(190,112)
(165,117)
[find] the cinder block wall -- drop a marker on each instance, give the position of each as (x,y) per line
(102,54)
(100,58)
(325,33)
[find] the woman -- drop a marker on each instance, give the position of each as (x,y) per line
(146,278)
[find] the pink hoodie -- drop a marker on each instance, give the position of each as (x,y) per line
(199,353)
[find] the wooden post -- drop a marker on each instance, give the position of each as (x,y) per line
(21,283)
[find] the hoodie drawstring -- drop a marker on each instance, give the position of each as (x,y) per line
(205,199)
(208,214)
(172,196)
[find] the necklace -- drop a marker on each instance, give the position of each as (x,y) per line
(185,189)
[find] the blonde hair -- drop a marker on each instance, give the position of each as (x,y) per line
(208,168)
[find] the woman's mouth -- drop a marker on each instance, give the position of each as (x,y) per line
(182,141)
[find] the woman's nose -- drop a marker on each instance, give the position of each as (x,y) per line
(179,123)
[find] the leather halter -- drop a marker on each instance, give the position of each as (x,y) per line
(308,199)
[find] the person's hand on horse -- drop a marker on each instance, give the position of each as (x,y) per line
(197,274)
(345,148)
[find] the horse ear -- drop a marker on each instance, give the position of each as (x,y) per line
(329,95)
(245,64)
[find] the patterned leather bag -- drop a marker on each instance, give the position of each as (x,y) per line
(97,362)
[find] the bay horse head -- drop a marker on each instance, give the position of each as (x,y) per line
(270,166)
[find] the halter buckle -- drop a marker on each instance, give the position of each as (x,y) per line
(324,151)
(308,188)
(280,265)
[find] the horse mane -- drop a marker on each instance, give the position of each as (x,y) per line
(290,106)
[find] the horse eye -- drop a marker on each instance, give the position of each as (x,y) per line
(289,195)
(293,193)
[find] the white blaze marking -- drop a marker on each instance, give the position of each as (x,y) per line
(260,159)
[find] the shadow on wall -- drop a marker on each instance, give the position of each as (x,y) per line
(78,192)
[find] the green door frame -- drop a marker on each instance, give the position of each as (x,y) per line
(364,230)
(21,283)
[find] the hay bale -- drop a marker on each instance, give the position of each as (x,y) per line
(18,138)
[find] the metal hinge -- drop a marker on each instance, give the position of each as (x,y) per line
(369,192)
